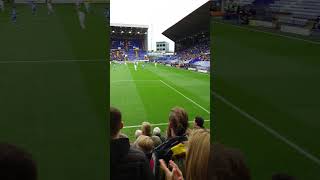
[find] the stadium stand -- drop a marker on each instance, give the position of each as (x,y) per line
(303,9)
(128,42)
(296,12)
(289,16)
(192,46)
(245,2)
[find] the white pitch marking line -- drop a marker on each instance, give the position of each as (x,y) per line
(269,130)
(270,33)
(185,96)
(159,124)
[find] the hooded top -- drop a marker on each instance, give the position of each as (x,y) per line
(127,162)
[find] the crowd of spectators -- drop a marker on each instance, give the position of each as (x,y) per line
(241,13)
(117,54)
(199,51)
(123,55)
(183,153)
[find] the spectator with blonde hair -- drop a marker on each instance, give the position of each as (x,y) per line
(198,152)
(197,158)
(145,144)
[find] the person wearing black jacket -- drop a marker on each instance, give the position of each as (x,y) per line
(126,161)
(16,163)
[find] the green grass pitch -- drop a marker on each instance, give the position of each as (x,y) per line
(275,80)
(52,77)
(148,94)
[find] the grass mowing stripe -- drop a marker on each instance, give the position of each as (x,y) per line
(185,96)
(159,124)
(270,33)
(268,129)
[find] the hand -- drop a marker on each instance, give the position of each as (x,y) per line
(175,174)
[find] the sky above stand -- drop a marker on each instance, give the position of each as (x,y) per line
(159,15)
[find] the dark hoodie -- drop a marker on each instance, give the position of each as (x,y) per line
(127,162)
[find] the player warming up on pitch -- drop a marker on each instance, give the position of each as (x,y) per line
(50,8)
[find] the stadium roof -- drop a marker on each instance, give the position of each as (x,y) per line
(195,22)
(129,25)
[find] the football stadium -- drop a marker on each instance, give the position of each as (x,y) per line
(145,86)
(53,74)
(265,90)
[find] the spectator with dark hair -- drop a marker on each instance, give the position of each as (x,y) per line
(178,122)
(281,176)
(198,122)
(16,163)
(146,129)
(174,148)
(126,162)
(227,164)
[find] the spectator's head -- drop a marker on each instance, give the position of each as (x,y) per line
(16,163)
(156,141)
(146,129)
(144,143)
(281,176)
(178,122)
(116,123)
(156,131)
(227,163)
(138,133)
(198,122)
(198,154)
